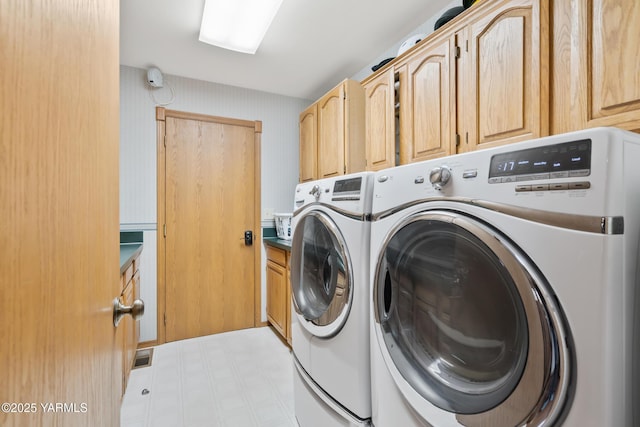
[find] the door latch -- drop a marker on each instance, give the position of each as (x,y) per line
(248,238)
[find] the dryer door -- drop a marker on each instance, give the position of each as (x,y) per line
(466,323)
(321,275)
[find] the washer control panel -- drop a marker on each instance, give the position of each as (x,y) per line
(558,161)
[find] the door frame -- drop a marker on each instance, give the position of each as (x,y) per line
(161,114)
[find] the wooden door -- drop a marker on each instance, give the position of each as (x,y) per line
(210,202)
(331,133)
(509,83)
(426,129)
(380,121)
(309,144)
(59,256)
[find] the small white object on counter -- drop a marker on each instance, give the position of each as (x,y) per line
(283,225)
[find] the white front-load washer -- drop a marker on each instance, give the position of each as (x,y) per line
(331,304)
(505,286)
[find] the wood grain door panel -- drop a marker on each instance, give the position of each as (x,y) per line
(331,133)
(509,96)
(277,296)
(380,122)
(210,194)
(309,144)
(59,257)
(425,111)
(615,71)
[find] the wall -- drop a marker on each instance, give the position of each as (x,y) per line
(279,163)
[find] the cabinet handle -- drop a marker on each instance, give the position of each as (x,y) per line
(136,310)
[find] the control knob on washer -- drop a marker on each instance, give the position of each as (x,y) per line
(440,176)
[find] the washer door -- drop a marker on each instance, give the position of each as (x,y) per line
(467,323)
(321,281)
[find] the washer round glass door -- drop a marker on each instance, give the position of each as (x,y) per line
(464,320)
(321,281)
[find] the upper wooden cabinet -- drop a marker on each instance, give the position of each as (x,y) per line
(309,144)
(380,128)
(606,63)
(508,73)
(427,106)
(481,80)
(338,133)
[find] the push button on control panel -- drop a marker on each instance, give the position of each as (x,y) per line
(470,173)
(582,185)
(579,185)
(559,186)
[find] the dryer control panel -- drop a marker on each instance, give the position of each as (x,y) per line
(557,161)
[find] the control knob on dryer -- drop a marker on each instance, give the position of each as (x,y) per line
(440,176)
(315,191)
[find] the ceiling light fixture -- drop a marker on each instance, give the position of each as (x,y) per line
(237,25)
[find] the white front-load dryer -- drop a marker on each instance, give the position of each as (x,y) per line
(330,307)
(504,286)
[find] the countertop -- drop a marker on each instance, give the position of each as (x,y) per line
(278,243)
(128,252)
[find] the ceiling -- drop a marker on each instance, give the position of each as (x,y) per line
(311,46)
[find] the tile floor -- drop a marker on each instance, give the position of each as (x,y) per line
(236,379)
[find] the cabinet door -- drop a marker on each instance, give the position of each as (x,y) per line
(508,81)
(136,295)
(127,325)
(426,130)
(610,58)
(380,122)
(331,131)
(287,302)
(308,144)
(276,296)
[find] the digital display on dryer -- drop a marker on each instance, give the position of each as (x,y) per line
(351,185)
(563,160)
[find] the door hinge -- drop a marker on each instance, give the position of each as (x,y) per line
(466,138)
(164,230)
(457,140)
(165,319)
(457,52)
(466,45)
(164,141)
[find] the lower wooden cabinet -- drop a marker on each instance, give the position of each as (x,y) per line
(279,291)
(128,331)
